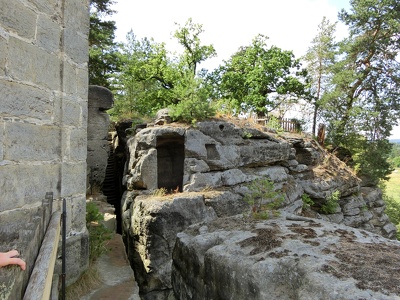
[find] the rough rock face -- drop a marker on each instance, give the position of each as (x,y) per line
(284,259)
(207,170)
(98,149)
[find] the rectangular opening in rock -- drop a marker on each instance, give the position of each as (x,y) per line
(170,158)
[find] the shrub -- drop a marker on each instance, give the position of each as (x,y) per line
(98,233)
(274,123)
(331,204)
(263,198)
(191,111)
(393,212)
(307,202)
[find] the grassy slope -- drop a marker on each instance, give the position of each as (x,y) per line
(393,185)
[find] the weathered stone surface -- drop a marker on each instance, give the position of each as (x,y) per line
(48,33)
(25,101)
(34,186)
(75,46)
(17,17)
(98,147)
(43,115)
(156,221)
(100,97)
(30,69)
(3,55)
(219,162)
(225,203)
(283,259)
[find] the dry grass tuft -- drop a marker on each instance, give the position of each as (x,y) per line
(89,281)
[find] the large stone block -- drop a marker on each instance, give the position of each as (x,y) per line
(73,178)
(48,34)
(23,184)
(282,259)
(76,46)
(3,55)
(17,17)
(100,97)
(69,81)
(1,141)
(71,114)
(43,145)
(78,145)
(156,222)
(82,84)
(31,64)
(46,6)
(76,16)
(98,123)
(23,101)
(78,209)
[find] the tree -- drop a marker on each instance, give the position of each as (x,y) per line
(104,60)
(151,78)
(194,53)
(320,57)
(364,103)
(259,77)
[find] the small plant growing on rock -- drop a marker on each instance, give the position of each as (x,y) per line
(275,124)
(263,198)
(98,233)
(331,203)
(307,202)
(161,192)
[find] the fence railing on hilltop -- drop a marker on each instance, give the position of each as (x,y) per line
(288,125)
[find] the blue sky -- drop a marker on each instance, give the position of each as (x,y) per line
(229,24)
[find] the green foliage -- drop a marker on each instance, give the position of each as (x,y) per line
(247,135)
(152,78)
(104,57)
(259,77)
(263,198)
(98,233)
(363,98)
(392,208)
(394,156)
(320,57)
(307,202)
(274,123)
(331,203)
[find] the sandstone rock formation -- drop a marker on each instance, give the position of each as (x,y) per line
(207,170)
(305,259)
(99,100)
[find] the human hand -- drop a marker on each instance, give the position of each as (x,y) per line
(9,258)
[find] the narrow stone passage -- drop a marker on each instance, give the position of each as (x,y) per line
(116,274)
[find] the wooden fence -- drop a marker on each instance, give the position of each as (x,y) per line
(288,125)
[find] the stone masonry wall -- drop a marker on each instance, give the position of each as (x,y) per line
(43,123)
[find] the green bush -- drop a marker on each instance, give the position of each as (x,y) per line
(274,123)
(331,204)
(307,202)
(191,111)
(98,233)
(263,198)
(393,212)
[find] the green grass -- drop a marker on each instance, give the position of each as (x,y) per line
(393,185)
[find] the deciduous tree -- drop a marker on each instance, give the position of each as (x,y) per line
(259,77)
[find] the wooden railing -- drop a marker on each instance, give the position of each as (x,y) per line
(288,125)
(41,281)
